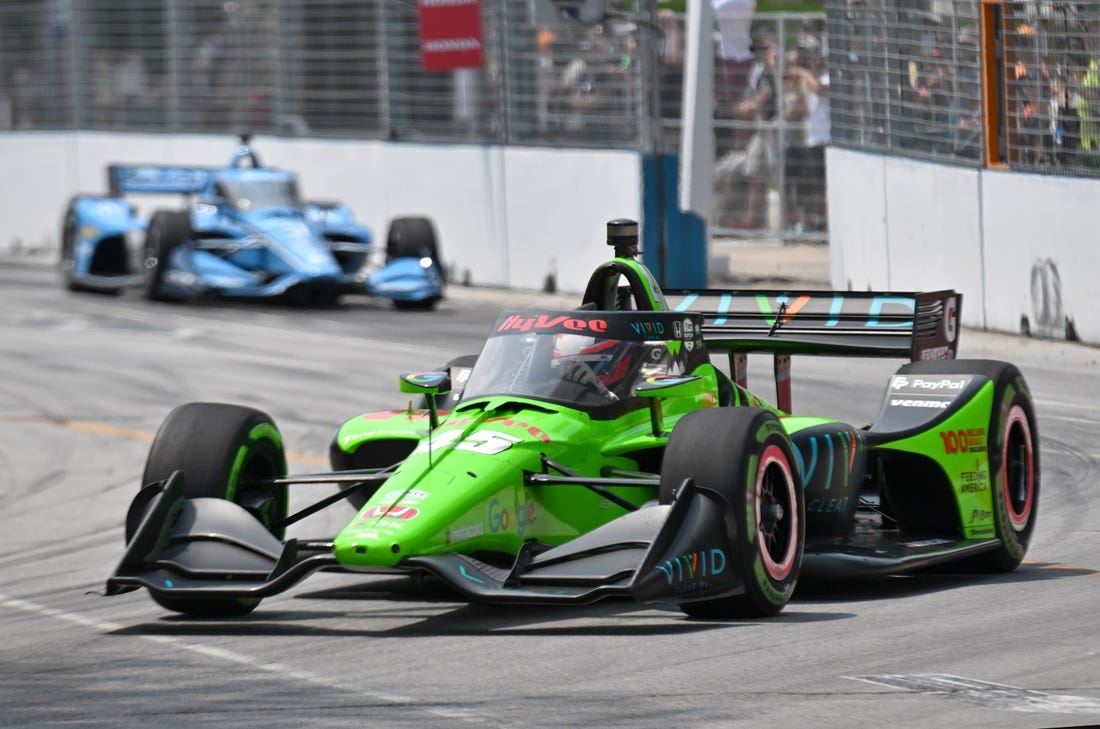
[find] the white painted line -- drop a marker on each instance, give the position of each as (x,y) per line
(992,695)
(241,659)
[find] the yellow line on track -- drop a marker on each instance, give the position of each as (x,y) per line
(116,432)
(1087,571)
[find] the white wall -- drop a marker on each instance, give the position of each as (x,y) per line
(1015,245)
(506,216)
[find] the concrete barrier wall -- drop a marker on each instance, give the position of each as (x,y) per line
(506,216)
(1021,248)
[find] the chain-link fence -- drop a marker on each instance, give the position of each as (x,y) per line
(322,67)
(345,68)
(1011,84)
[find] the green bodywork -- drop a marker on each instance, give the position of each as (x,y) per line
(959,447)
(463,489)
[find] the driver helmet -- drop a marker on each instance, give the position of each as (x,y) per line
(609,359)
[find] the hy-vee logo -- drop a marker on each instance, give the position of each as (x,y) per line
(543,321)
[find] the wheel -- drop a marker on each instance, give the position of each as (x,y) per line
(168,229)
(220,448)
(414,237)
(746,456)
(68,255)
(418,305)
(1014,475)
(68,242)
(1013,447)
(411,237)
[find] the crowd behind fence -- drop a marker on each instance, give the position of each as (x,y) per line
(898,78)
(908,80)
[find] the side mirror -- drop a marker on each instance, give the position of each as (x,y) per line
(659,386)
(671,386)
(428,384)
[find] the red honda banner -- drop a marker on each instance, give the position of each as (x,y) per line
(450,34)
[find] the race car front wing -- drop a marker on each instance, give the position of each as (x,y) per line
(213,548)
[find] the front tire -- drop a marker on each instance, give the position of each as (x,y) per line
(221,449)
(68,245)
(167,231)
(745,455)
(68,255)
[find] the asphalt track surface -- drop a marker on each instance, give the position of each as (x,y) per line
(85,380)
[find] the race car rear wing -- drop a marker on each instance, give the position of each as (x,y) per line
(122,179)
(918,326)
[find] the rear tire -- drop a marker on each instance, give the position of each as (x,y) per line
(168,230)
(745,455)
(220,448)
(414,237)
(411,237)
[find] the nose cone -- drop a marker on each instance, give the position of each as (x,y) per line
(404,517)
(295,242)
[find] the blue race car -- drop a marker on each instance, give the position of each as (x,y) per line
(245,233)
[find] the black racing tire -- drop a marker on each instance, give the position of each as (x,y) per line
(417,305)
(411,237)
(1012,443)
(168,229)
(414,237)
(1014,469)
(745,455)
(372,454)
(68,243)
(220,448)
(68,255)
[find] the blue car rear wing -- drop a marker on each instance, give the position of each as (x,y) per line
(123,179)
(917,326)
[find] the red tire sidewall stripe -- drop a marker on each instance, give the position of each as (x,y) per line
(773,455)
(1019,520)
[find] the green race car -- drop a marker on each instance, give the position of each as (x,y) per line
(598,451)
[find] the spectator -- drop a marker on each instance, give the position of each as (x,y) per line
(670,65)
(795,112)
(735,57)
(132,89)
(544,79)
(24,101)
(1088,113)
(207,74)
(589,85)
(761,106)
(104,101)
(814,83)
